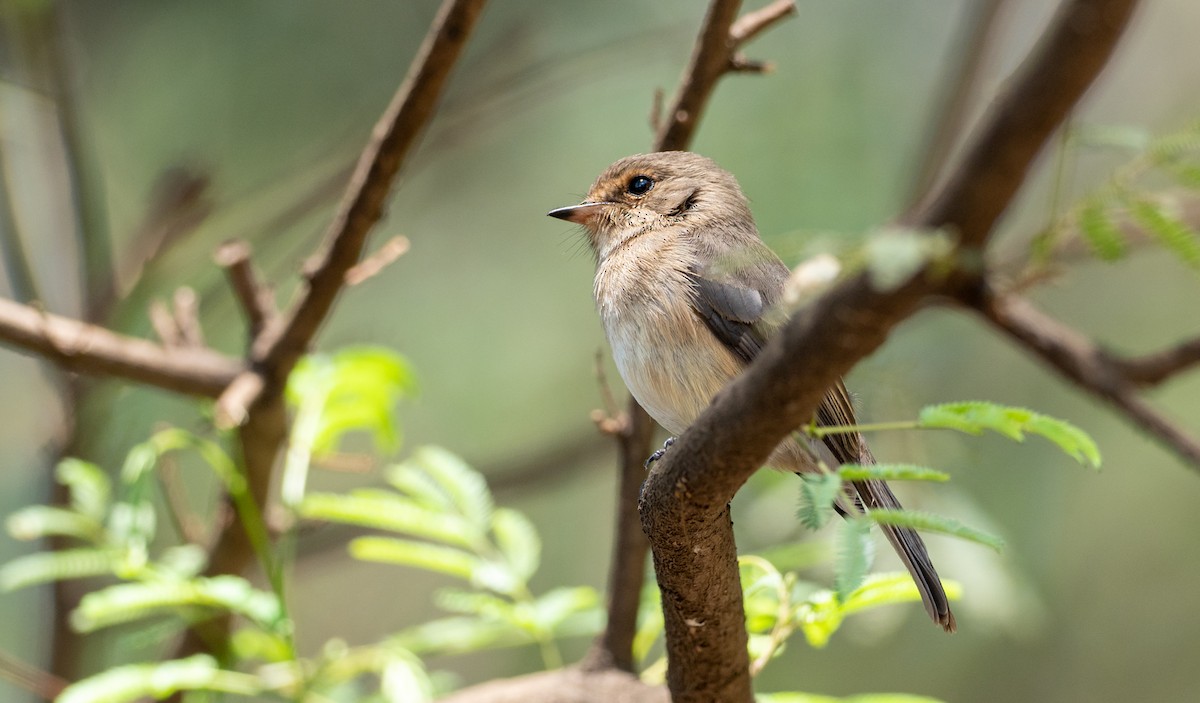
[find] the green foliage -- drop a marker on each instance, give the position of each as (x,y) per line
(449,524)
(159,680)
(976,416)
(934,523)
(854,555)
(818,491)
(1134,198)
(134,601)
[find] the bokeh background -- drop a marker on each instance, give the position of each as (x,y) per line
(250,114)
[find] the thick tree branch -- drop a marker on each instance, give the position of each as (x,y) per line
(1040,94)
(1080,359)
(684,502)
(88,349)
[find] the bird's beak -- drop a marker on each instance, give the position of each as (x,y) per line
(582,214)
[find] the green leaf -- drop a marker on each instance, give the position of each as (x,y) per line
(88,485)
(1101,233)
(39,521)
(134,601)
(462,634)
(465,487)
(554,607)
(403,679)
(889,589)
(973,417)
(934,523)
(431,557)
(355,389)
(518,542)
(817,494)
(1072,440)
(60,565)
(1187,175)
(1174,234)
(387,511)
(890,472)
(159,680)
(853,555)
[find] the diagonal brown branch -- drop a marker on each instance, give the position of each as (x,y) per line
(684,501)
(1077,357)
(370,186)
(255,401)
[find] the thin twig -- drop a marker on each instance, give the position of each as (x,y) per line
(252,295)
(1081,360)
(947,128)
(370,186)
(186,309)
(1153,369)
(369,267)
(751,24)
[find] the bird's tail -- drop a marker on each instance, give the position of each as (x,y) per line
(911,548)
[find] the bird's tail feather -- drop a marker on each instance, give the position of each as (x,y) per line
(911,548)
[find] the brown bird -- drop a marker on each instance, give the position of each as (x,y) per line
(685,287)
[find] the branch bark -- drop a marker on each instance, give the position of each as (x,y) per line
(1082,361)
(90,349)
(684,502)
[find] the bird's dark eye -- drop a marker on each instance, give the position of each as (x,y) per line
(639,185)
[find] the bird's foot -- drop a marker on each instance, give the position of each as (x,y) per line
(658,454)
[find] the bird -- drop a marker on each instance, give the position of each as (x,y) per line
(688,294)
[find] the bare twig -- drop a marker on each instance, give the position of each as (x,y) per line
(710,59)
(684,500)
(93,350)
(947,128)
(1153,369)
(369,267)
(163,324)
(40,683)
(1078,358)
(186,308)
(751,24)
(254,298)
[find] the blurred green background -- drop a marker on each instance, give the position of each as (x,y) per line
(263,106)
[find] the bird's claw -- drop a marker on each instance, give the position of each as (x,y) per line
(658,454)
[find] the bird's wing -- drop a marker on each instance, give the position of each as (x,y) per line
(734,301)
(733,293)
